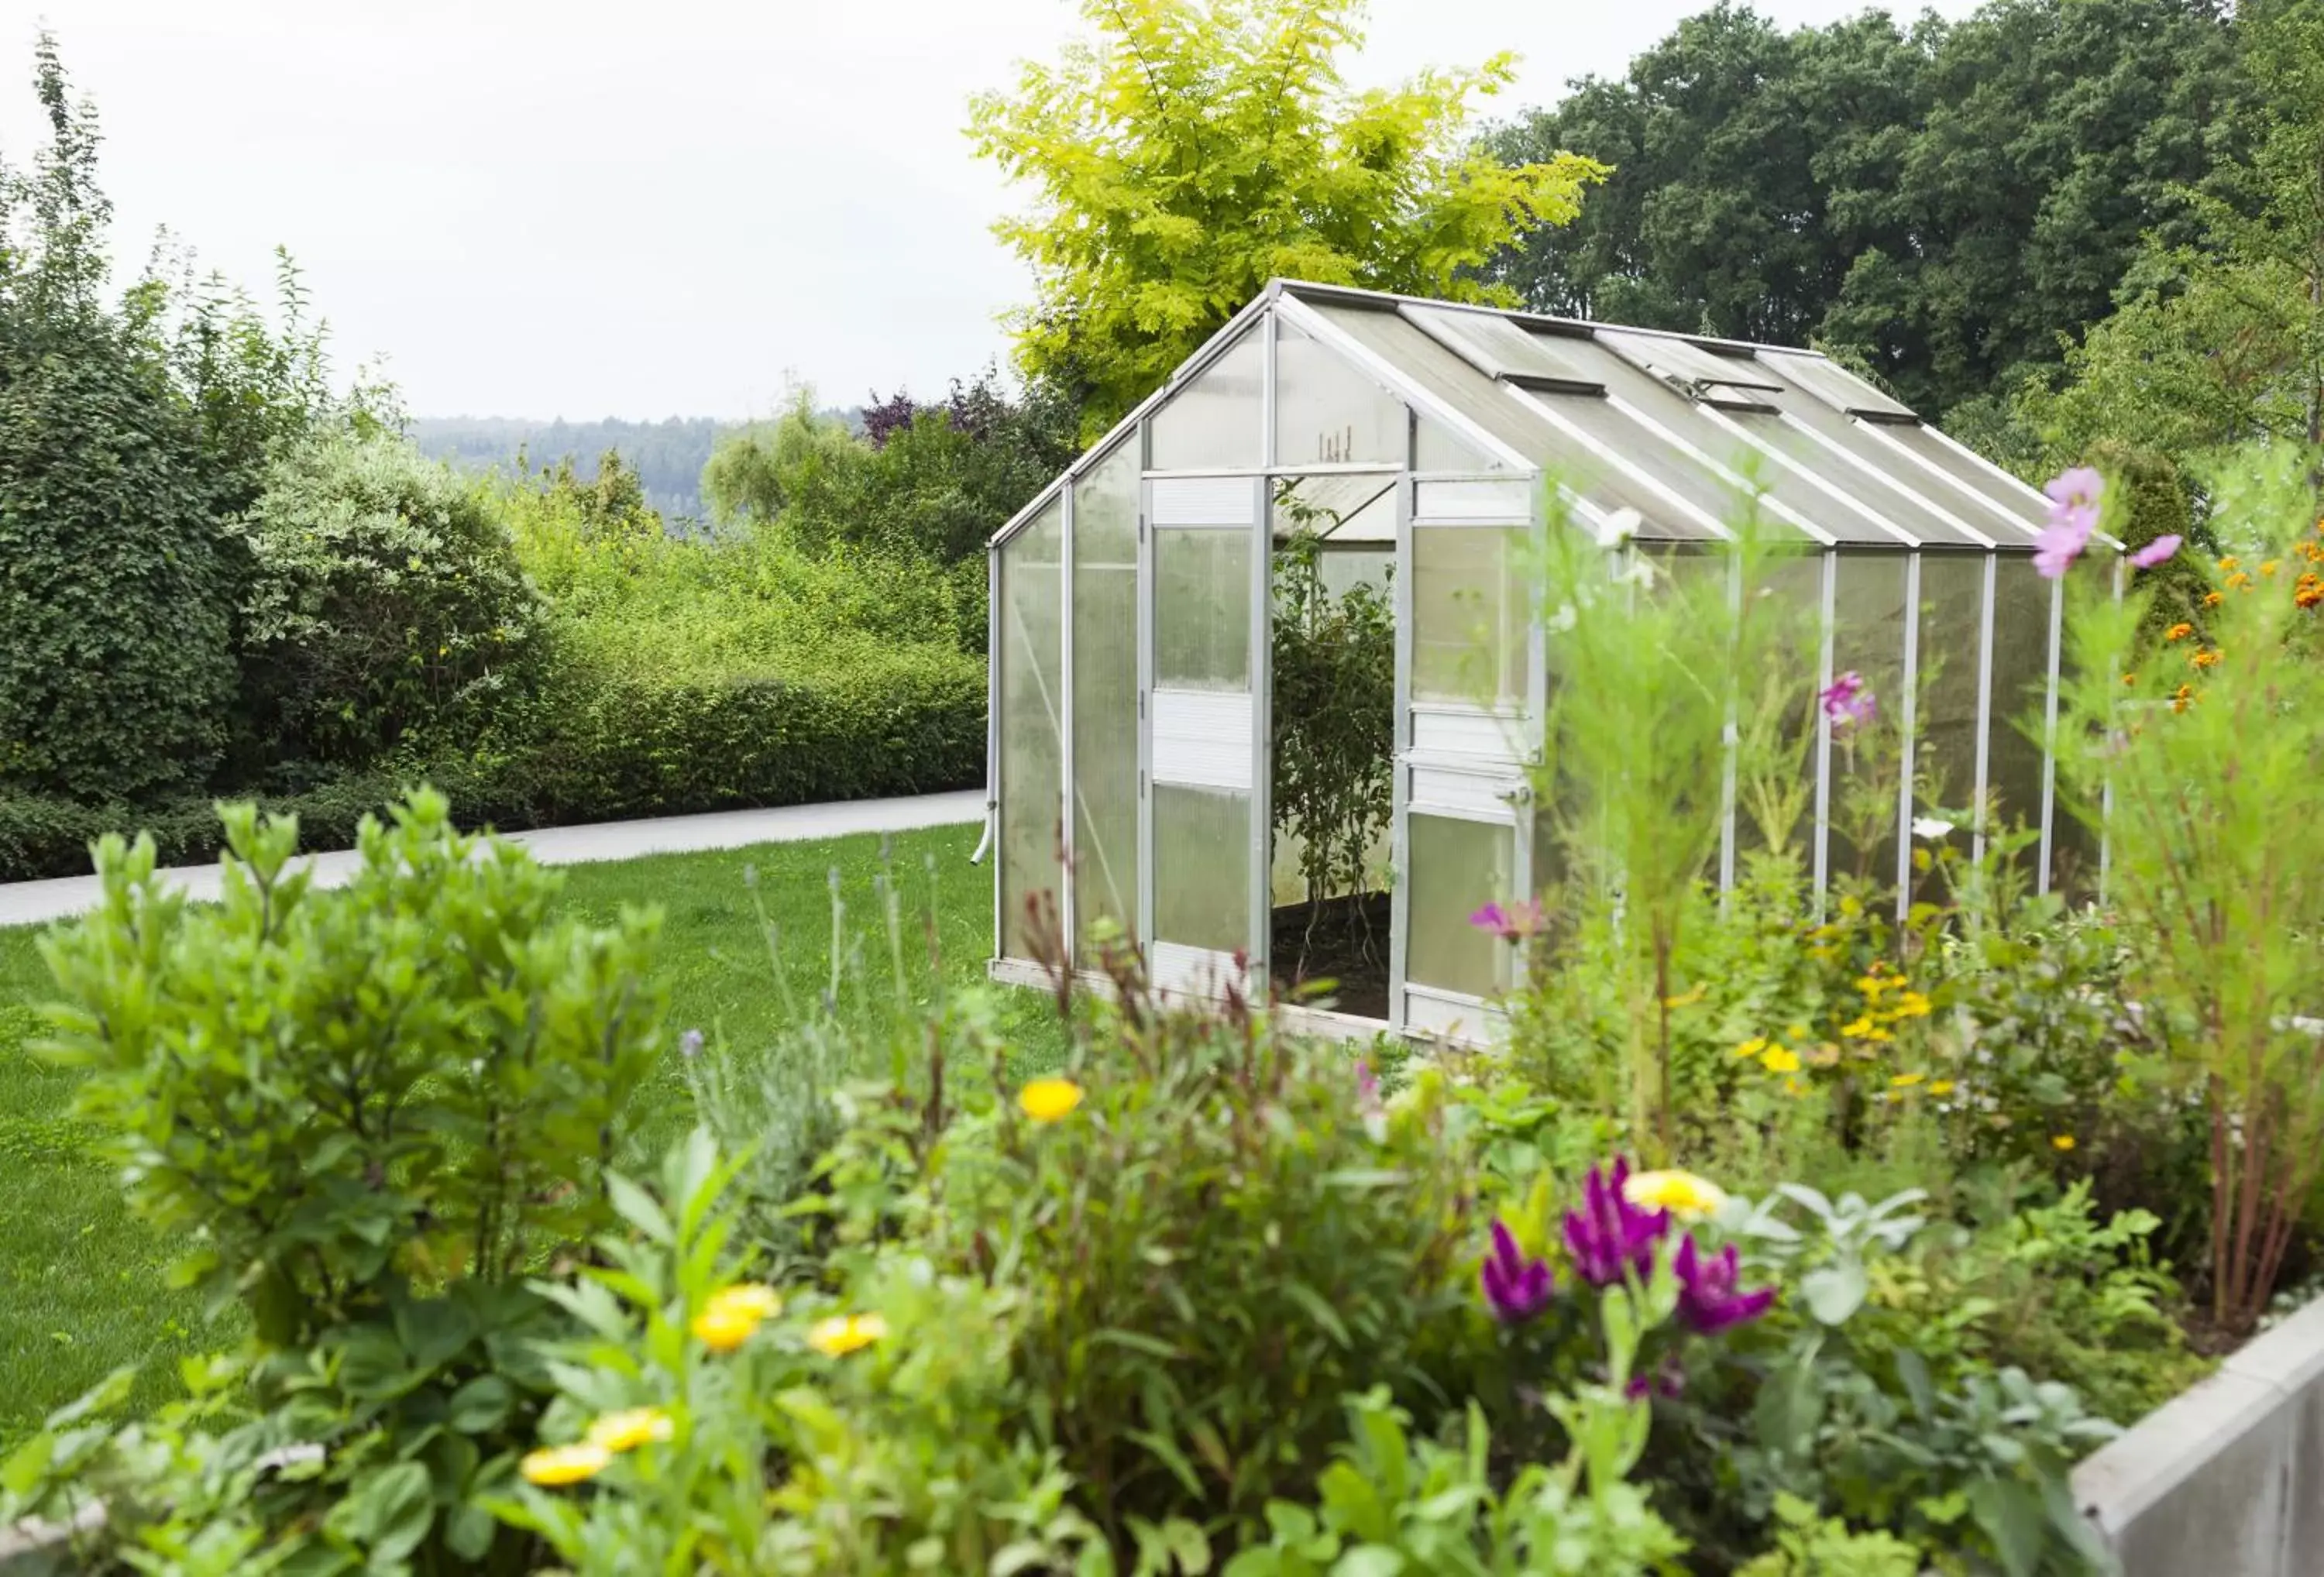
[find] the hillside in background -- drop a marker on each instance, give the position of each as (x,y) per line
(667,455)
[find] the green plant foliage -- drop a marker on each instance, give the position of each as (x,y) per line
(1813,1546)
(113,588)
(1332,675)
(1195,149)
(383,602)
(1219,1244)
(366,1115)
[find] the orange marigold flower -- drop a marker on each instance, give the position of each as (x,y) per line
(2308,596)
(2185,694)
(2211,599)
(2130,678)
(2229,562)
(2268,566)
(2179,631)
(2205,659)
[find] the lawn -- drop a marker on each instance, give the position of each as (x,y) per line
(82,1284)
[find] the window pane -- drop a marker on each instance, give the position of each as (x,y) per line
(1032,705)
(1469,634)
(1201,867)
(1328,412)
(1952,613)
(1457,866)
(1105,697)
(1775,796)
(1868,639)
(1213,423)
(1437,447)
(1202,609)
(2021,672)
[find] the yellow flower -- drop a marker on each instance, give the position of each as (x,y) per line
(1794,1087)
(1859,1029)
(845,1334)
(1906,1081)
(1688,999)
(1872,985)
(734,1314)
(1910,1005)
(2065,1141)
(1777,1059)
(1753,1047)
(2211,599)
(1796,1031)
(629,1429)
(1049,1100)
(2229,562)
(1941,1087)
(1681,1193)
(558,1465)
(2268,568)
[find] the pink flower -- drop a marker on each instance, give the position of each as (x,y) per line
(2073,516)
(1367,1083)
(1514,922)
(2155,553)
(2074,499)
(1848,700)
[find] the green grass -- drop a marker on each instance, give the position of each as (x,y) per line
(82,1283)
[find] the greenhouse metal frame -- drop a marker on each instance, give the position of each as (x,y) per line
(1131,600)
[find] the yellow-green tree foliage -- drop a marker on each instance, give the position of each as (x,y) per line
(1194,149)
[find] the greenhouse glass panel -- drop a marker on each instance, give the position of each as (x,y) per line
(1201,867)
(1436,370)
(1457,866)
(1469,593)
(2074,842)
(1974,476)
(1437,447)
(2021,672)
(1032,710)
(1774,793)
(1952,617)
(1214,423)
(1202,609)
(1869,616)
(1105,697)
(1328,412)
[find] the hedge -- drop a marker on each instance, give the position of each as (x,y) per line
(604,746)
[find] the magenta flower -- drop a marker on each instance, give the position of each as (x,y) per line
(2155,553)
(1367,1083)
(1515,1288)
(1609,1237)
(1848,699)
(1514,922)
(1708,1297)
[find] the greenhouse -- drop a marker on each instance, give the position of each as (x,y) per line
(1373,466)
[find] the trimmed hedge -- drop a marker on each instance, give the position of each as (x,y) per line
(605,746)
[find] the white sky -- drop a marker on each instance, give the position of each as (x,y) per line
(643,209)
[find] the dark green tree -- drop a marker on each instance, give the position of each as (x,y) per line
(1940,204)
(117,664)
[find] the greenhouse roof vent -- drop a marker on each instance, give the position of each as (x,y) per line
(1728,381)
(1500,349)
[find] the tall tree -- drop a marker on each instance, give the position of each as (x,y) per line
(2219,342)
(1940,203)
(1195,149)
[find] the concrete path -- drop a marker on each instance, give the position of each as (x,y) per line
(30,902)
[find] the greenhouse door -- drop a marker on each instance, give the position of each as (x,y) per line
(1204,571)
(1469,699)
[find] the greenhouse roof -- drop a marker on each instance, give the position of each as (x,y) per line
(1648,434)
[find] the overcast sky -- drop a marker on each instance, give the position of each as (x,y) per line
(650,209)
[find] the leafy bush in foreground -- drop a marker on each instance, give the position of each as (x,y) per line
(368,1115)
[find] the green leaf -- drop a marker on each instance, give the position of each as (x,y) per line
(388,1512)
(1835,1291)
(481,1404)
(1368,1560)
(2014,1521)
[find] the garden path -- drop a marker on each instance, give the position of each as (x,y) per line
(30,902)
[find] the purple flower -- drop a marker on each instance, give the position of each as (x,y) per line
(1515,1288)
(2074,499)
(1708,1297)
(1848,699)
(1367,1083)
(689,1045)
(1670,1380)
(2155,553)
(1514,922)
(1609,1236)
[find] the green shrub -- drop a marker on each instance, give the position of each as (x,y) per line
(368,1115)
(117,668)
(383,600)
(1222,1242)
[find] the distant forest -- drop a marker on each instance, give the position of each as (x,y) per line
(668,456)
